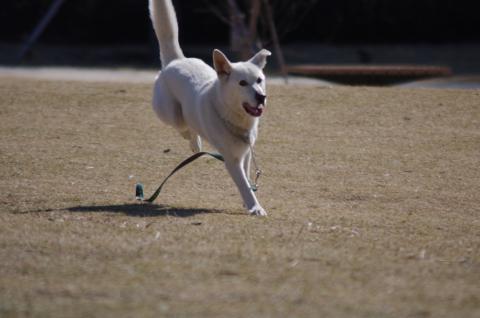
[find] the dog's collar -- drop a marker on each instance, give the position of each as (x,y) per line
(240,133)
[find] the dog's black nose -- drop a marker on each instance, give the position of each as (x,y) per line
(260,98)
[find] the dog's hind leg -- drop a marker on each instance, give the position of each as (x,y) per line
(167,108)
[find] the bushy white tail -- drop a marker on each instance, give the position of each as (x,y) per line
(165,24)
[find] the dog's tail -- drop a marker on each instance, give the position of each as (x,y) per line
(165,24)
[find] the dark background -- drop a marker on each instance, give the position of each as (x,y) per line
(118,33)
(101,22)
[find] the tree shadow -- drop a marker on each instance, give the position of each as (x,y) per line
(143,210)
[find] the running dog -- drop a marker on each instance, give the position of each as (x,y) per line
(221,105)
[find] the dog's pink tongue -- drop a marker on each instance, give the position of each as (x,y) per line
(253,111)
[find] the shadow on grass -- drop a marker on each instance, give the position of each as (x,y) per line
(143,210)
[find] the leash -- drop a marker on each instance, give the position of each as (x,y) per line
(139,191)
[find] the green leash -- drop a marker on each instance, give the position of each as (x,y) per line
(139,187)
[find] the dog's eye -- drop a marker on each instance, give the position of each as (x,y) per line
(259,80)
(243,83)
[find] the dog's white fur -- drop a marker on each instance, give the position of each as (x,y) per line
(220,105)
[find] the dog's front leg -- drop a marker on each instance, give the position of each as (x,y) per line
(246,163)
(237,173)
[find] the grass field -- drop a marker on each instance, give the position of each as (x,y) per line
(372,194)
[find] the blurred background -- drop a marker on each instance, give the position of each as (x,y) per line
(436,37)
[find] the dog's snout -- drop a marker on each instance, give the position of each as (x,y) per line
(260,98)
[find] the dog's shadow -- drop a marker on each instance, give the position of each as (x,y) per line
(143,210)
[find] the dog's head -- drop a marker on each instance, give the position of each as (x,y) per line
(242,84)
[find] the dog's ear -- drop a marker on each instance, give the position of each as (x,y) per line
(260,59)
(221,63)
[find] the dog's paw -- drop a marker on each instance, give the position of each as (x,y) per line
(257,211)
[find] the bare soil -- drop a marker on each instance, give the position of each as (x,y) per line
(372,194)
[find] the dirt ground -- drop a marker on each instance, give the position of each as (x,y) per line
(372,194)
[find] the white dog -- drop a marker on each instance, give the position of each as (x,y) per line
(221,105)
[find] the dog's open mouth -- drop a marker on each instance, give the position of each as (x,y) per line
(252,110)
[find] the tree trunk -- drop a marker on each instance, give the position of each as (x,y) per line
(255,8)
(239,35)
(276,41)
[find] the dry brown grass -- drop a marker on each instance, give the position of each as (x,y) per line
(373,197)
